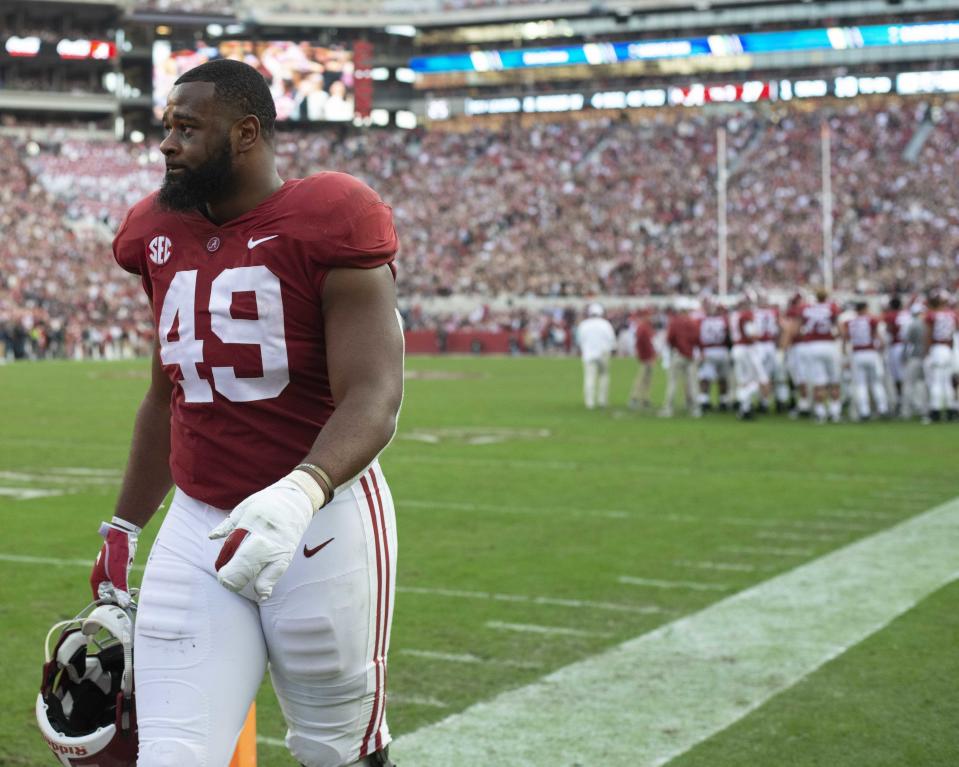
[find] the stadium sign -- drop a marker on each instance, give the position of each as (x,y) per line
(22,46)
(700,94)
(716,46)
(100,50)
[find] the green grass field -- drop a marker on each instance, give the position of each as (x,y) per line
(516,506)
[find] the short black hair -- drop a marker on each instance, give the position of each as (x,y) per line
(895,302)
(238,85)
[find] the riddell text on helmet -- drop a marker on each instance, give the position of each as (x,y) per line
(59,749)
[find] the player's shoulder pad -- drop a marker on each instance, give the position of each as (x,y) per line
(346,222)
(129,243)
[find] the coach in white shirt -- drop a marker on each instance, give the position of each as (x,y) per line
(596,340)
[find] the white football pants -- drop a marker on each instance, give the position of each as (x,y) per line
(915,397)
(596,382)
(749,374)
(774,368)
(715,365)
(794,365)
(200,650)
(938,370)
(867,378)
(821,365)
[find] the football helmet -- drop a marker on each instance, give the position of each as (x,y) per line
(86,708)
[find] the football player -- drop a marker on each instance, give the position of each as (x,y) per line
(862,343)
(915,395)
(768,335)
(818,355)
(751,378)
(680,358)
(895,320)
(277,380)
(646,355)
(942,323)
(715,366)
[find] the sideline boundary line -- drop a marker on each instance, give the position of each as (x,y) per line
(652,698)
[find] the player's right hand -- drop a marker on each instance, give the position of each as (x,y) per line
(110,579)
(263,531)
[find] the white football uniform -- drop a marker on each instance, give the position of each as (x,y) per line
(713,339)
(201,650)
(867,369)
(818,351)
(938,365)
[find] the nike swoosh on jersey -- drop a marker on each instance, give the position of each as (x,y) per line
(251,243)
(308,552)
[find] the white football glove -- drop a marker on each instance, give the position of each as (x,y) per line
(263,532)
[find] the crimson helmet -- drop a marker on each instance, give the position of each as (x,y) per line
(85,708)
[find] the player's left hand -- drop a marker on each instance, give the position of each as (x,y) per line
(263,532)
(110,577)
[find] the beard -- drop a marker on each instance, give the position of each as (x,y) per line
(192,188)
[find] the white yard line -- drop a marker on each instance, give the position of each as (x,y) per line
(468,659)
(773,551)
(654,697)
(496,508)
(799,524)
(732,567)
(907,495)
(786,535)
(882,516)
(635,468)
(24,559)
(414,700)
(28,493)
(61,479)
(531,599)
(533,628)
(83,471)
(655,583)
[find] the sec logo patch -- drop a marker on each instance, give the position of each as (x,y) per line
(160,250)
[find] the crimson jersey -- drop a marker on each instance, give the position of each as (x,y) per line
(816,321)
(645,350)
(714,331)
(238,313)
(767,323)
(682,334)
(742,328)
(942,326)
(896,321)
(862,331)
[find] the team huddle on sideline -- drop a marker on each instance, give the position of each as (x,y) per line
(809,358)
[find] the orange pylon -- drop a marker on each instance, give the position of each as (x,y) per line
(245,753)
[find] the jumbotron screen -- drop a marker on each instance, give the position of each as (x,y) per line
(310,83)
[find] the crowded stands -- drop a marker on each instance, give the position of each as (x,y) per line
(622,206)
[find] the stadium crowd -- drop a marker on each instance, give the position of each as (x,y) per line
(604,206)
(59,296)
